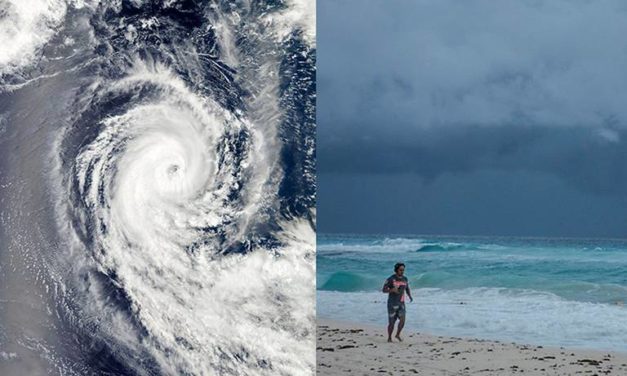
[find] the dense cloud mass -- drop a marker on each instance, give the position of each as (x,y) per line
(591,160)
(442,88)
(438,63)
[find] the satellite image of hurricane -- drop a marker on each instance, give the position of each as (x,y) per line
(157,187)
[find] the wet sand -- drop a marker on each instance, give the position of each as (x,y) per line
(355,349)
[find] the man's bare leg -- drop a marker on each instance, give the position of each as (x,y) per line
(401,324)
(390,329)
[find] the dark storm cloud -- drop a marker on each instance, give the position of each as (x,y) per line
(431,87)
(593,161)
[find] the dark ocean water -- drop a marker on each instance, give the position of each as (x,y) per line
(562,292)
(157,178)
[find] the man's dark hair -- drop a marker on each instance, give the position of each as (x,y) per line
(398,265)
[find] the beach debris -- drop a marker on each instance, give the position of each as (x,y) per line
(591,362)
(346,347)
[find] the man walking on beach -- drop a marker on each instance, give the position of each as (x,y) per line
(396,286)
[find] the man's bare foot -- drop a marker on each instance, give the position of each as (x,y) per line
(389,339)
(398,337)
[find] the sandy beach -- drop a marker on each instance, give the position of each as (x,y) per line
(356,349)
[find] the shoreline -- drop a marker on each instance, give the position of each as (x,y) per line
(347,348)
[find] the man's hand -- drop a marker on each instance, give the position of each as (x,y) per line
(411,300)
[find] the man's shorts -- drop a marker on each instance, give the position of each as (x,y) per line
(396,311)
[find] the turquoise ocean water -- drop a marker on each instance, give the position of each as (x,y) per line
(556,292)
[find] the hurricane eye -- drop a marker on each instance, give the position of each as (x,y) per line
(173,169)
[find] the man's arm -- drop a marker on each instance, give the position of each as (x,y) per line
(409,293)
(386,286)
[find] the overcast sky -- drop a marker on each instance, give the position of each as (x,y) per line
(473,117)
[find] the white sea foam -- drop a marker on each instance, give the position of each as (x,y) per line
(387,245)
(523,316)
